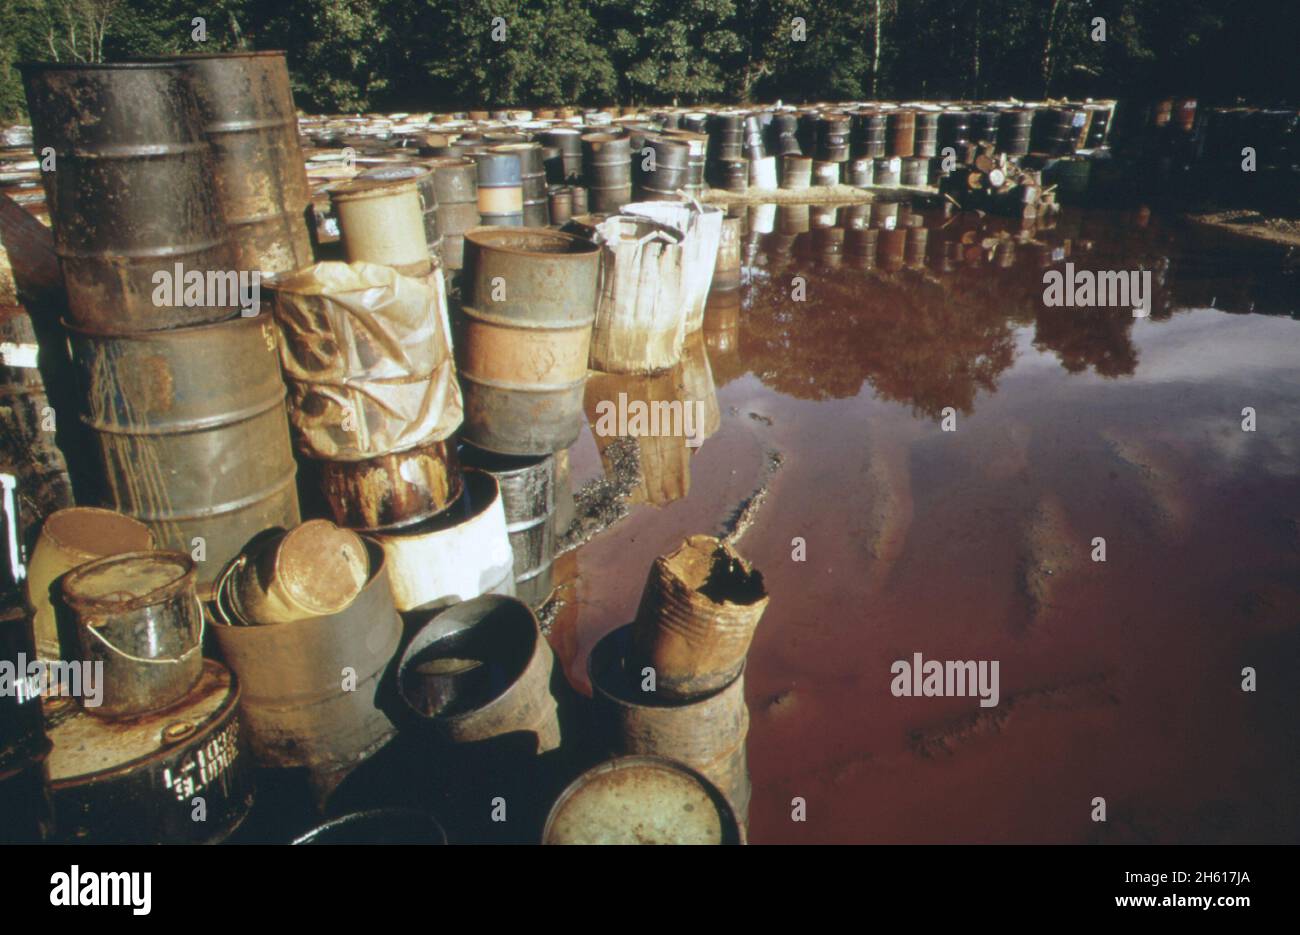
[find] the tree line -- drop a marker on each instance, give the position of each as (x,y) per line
(387,55)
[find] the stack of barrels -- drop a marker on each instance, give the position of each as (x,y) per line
(530,300)
(607,168)
(727,151)
(672,682)
(168,202)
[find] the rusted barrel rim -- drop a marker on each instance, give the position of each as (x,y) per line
(97,605)
(362,188)
(617,644)
(144,336)
(505,240)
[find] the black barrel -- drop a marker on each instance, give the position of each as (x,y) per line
(732,174)
(954,129)
(782,135)
(134,193)
(1013,131)
(662,167)
(1097,128)
(927,133)
(915,171)
(901,133)
(726,137)
(833,138)
(984,126)
(868,138)
(1052,131)
(606,160)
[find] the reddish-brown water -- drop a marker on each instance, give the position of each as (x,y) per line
(1120,680)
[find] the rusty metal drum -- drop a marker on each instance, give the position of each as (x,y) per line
(193,435)
(136,781)
(501,635)
(296,709)
(392,491)
(139,617)
(382,221)
(248,115)
(128,135)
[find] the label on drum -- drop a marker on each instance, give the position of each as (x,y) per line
(204,765)
(18,355)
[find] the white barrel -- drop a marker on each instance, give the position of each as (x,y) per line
(762,173)
(701,230)
(455,557)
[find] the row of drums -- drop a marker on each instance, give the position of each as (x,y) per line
(879,133)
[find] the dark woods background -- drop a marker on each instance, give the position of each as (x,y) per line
(386,55)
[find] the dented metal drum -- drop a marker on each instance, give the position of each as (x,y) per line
(501,635)
(139,617)
(530,300)
(140,781)
(296,711)
(128,135)
(193,434)
(697,617)
(461,554)
(528,495)
(310,571)
(261,179)
(392,491)
(706,733)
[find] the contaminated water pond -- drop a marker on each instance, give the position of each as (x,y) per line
(927,463)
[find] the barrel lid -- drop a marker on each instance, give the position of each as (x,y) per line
(87,747)
(93,532)
(641,800)
(322,566)
(121,583)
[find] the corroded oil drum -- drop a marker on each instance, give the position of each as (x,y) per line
(954,129)
(248,115)
(128,135)
(732,174)
(1013,131)
(528,495)
(530,302)
(891,249)
(902,133)
(192,433)
(135,782)
(607,163)
(501,635)
(861,172)
(382,221)
(423,179)
(868,134)
(662,167)
(294,711)
(532,180)
(697,617)
(927,133)
(561,204)
(915,171)
(796,172)
(455,185)
(139,618)
(642,800)
(500,189)
(569,142)
(391,491)
(886,173)
(706,733)
(726,137)
(833,138)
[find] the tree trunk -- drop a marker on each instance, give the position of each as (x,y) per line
(1047,46)
(875,57)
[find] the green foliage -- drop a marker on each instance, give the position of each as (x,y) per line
(352,55)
